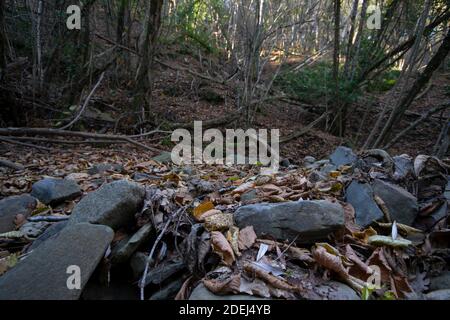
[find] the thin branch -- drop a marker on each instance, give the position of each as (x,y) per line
(86,102)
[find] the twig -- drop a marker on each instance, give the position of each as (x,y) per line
(86,102)
(11,141)
(152,252)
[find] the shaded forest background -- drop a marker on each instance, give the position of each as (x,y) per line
(138,69)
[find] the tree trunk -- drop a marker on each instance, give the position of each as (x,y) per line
(418,85)
(147,43)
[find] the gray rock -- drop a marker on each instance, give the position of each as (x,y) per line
(401,204)
(343,156)
(12,206)
(201,293)
(164,157)
(169,291)
(360,196)
(34,229)
(308,160)
(333,290)
(49,233)
(438,295)
(326,169)
(306,221)
(43,274)
(441,282)
(285,163)
(249,196)
(54,191)
(317,176)
(163,272)
(125,248)
(137,264)
(114,205)
(404,166)
(103,167)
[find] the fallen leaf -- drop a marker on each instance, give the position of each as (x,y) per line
(247,238)
(222,247)
(202,208)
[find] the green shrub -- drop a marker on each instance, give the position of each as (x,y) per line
(315,84)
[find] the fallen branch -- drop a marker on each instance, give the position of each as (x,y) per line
(69,142)
(416,123)
(86,102)
(12,141)
(301,132)
(58,132)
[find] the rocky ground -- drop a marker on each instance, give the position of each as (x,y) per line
(351,226)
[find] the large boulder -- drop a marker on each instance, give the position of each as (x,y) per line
(45,273)
(54,191)
(402,205)
(306,221)
(360,196)
(343,156)
(12,206)
(113,205)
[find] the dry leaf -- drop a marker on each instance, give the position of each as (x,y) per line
(202,208)
(247,238)
(223,287)
(222,247)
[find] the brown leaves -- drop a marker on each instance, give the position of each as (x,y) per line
(222,247)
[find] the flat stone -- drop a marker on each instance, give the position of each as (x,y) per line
(402,205)
(49,233)
(343,156)
(103,167)
(360,196)
(306,221)
(43,274)
(125,249)
(404,166)
(12,206)
(201,293)
(113,205)
(52,191)
(249,196)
